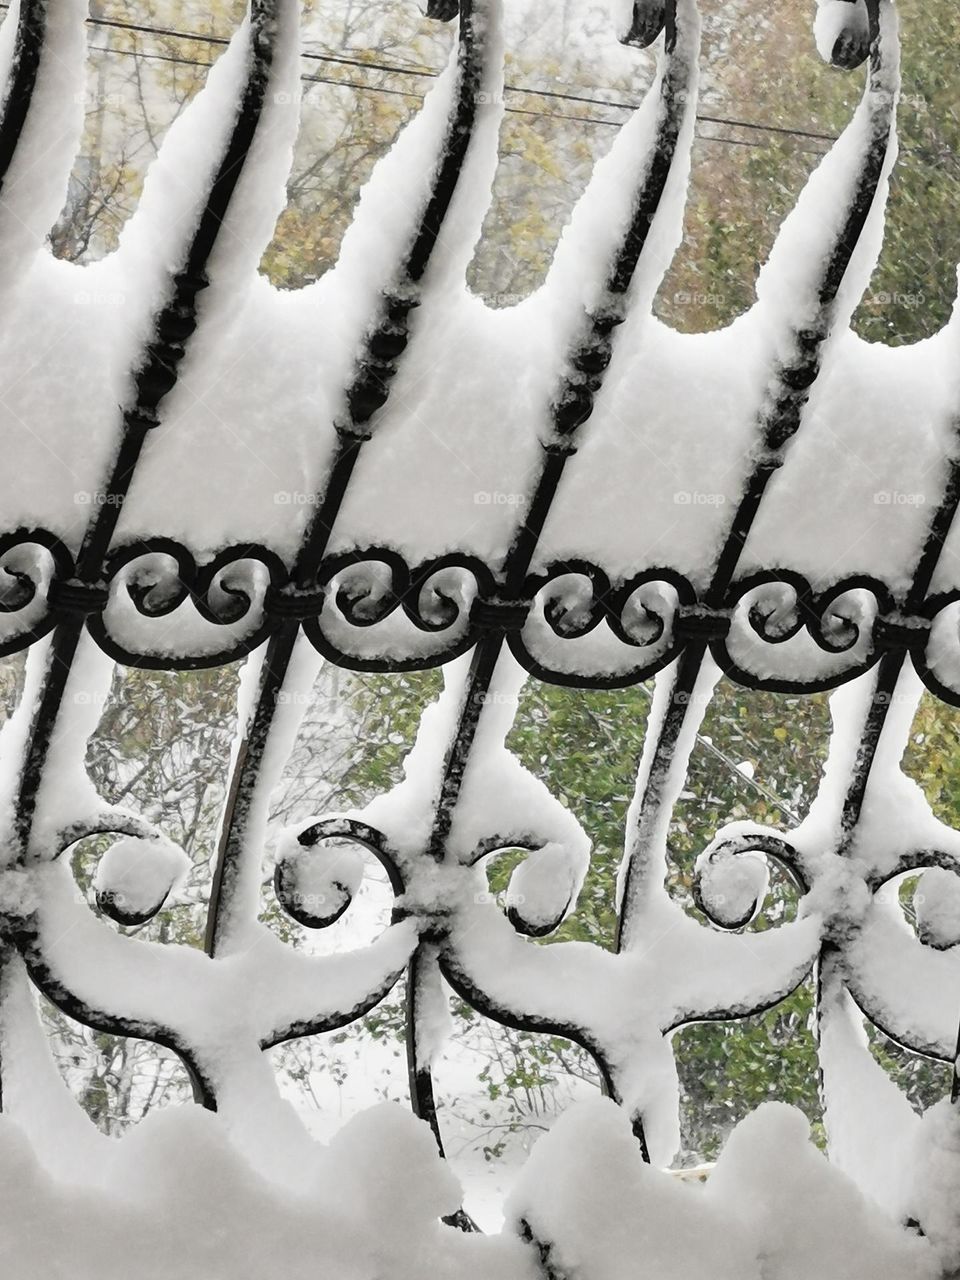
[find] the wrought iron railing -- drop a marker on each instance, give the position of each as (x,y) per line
(367,587)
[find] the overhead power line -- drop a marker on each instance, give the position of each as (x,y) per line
(416,97)
(410,69)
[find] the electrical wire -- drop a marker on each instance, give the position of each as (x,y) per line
(396,68)
(405,93)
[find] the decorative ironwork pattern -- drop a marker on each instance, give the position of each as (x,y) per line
(156,601)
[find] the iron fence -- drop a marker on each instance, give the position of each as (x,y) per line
(573,620)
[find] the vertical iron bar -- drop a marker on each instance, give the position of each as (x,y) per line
(572,408)
(778,425)
(173,327)
(367,394)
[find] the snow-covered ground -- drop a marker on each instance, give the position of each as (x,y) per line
(175,1199)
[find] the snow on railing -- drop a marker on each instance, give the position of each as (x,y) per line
(387,397)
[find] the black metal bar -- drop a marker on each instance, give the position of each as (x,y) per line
(172,329)
(28,52)
(367,393)
(173,326)
(778,424)
(572,408)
